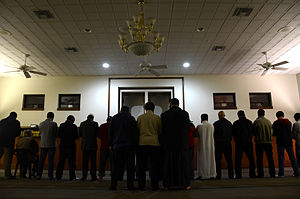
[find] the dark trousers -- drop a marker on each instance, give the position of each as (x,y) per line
(43,154)
(104,155)
(290,152)
(239,150)
(70,154)
(123,156)
(220,148)
(146,153)
(298,152)
(268,149)
(8,153)
(191,162)
(89,155)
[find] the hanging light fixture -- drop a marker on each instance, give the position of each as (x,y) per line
(143,39)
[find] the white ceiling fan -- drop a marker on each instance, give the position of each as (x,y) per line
(27,69)
(268,65)
(147,66)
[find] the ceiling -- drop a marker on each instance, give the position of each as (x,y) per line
(244,38)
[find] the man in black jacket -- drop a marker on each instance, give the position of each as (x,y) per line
(223,136)
(88,132)
(9,130)
(243,143)
(67,133)
(123,140)
(282,129)
(175,144)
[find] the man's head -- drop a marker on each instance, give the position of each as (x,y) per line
(13,115)
(50,115)
(125,109)
(261,112)
(297,116)
(108,119)
(221,115)
(71,118)
(149,106)
(279,114)
(174,102)
(241,114)
(204,117)
(90,117)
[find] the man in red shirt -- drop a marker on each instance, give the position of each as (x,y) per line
(105,152)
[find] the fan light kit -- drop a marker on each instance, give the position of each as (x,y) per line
(143,39)
(268,65)
(27,69)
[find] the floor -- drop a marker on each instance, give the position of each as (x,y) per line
(287,187)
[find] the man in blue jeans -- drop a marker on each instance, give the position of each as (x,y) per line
(282,129)
(48,132)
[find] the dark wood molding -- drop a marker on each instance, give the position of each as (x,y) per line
(224,107)
(68,109)
(32,109)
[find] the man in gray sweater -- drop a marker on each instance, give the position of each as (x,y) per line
(48,132)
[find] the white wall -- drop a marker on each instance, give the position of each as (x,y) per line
(198,95)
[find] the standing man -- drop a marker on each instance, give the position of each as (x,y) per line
(206,163)
(67,133)
(262,131)
(48,132)
(123,140)
(9,130)
(296,135)
(149,126)
(175,143)
(223,136)
(105,152)
(243,143)
(282,130)
(88,132)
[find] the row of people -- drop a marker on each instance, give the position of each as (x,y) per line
(169,135)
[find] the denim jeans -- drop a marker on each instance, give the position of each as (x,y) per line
(43,154)
(290,152)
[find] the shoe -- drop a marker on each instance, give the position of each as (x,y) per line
(155,188)
(94,179)
(130,188)
(38,177)
(82,179)
(188,188)
(112,188)
(23,177)
(253,176)
(199,178)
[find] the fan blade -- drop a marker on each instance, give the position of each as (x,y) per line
(255,70)
(159,67)
(27,75)
(262,65)
(154,72)
(38,73)
(136,74)
(279,68)
(280,63)
(13,71)
(264,72)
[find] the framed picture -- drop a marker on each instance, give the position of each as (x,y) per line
(224,101)
(260,100)
(33,102)
(69,102)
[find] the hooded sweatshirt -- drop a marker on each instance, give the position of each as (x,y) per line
(282,129)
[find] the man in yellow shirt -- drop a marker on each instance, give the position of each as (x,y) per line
(149,126)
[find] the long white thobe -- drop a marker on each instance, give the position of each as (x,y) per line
(206,165)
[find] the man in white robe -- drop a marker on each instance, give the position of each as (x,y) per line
(206,165)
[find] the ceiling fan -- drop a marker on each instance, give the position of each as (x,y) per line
(27,69)
(147,66)
(268,65)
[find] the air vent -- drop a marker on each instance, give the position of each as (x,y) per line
(218,48)
(43,14)
(71,50)
(242,12)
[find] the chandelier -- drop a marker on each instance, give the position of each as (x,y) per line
(143,39)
